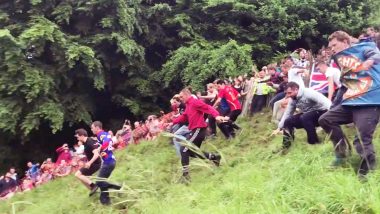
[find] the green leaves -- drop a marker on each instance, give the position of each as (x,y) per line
(41,29)
(203,61)
(35,2)
(9,115)
(63,13)
(84,54)
(128,46)
(49,111)
(36,83)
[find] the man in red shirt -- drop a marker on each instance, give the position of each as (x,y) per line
(194,115)
(232,97)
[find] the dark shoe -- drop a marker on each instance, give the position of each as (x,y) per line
(233,134)
(235,126)
(216,160)
(105,202)
(363,168)
(212,136)
(339,162)
(283,150)
(184,179)
(93,190)
(114,186)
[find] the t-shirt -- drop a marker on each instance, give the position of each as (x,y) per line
(363,85)
(231,96)
(106,147)
(6,186)
(79,150)
(238,88)
(335,74)
(33,171)
(89,146)
(293,76)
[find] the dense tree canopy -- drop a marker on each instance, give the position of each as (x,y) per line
(66,62)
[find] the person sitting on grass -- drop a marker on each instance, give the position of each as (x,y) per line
(8,186)
(63,169)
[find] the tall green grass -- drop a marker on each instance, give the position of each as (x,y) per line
(250,180)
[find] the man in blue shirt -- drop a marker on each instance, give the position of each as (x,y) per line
(360,77)
(109,162)
(33,171)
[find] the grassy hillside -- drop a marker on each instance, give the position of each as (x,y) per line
(250,180)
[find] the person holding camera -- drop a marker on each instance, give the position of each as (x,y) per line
(124,136)
(63,154)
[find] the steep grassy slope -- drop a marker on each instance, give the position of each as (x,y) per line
(250,180)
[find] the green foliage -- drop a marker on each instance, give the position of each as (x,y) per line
(49,111)
(36,83)
(41,30)
(203,61)
(9,115)
(35,2)
(63,13)
(128,46)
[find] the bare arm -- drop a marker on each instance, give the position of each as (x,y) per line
(95,157)
(331,88)
(289,111)
(217,102)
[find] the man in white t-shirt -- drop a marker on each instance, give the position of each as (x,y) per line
(295,73)
(333,77)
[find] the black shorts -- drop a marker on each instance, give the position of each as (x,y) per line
(89,171)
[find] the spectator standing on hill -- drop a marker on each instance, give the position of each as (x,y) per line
(360,66)
(108,164)
(295,73)
(231,95)
(194,114)
(79,150)
(333,77)
(63,154)
(312,105)
(94,162)
(261,89)
(374,35)
(210,99)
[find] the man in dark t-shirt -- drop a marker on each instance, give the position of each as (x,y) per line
(91,150)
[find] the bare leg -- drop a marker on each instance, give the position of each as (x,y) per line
(84,179)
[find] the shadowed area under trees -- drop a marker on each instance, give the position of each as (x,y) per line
(65,63)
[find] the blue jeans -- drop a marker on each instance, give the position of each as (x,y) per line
(180,136)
